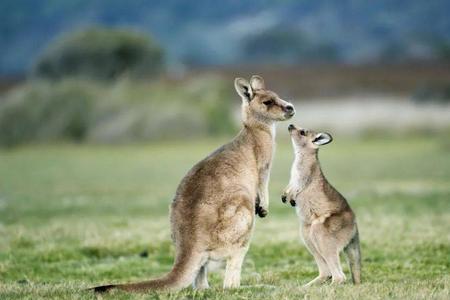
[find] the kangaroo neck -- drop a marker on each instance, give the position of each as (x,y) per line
(260,136)
(307,167)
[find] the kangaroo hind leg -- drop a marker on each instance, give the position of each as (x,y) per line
(233,270)
(324,271)
(201,281)
(328,249)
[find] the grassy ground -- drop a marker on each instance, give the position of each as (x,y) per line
(76,216)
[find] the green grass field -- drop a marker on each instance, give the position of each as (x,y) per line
(73,216)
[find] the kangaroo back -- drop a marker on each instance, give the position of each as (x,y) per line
(353,252)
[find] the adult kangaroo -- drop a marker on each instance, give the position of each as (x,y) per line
(212,215)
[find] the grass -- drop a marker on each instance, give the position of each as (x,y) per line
(74,216)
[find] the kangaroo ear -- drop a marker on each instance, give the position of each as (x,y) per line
(257,83)
(322,138)
(243,88)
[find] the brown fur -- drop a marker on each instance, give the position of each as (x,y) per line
(212,214)
(327,222)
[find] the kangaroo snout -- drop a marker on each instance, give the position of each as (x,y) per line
(289,110)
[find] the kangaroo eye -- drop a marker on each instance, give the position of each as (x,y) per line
(269,102)
(302,132)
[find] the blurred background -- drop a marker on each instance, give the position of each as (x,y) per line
(106,104)
(112,71)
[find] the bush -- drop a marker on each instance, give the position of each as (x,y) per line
(41,111)
(137,111)
(122,111)
(100,54)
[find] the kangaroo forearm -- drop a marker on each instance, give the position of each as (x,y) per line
(263,192)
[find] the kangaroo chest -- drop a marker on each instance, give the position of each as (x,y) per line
(305,209)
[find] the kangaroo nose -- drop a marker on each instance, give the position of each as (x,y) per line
(291,127)
(289,108)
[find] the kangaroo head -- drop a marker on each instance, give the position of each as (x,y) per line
(260,104)
(304,139)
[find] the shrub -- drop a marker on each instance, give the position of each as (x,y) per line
(100,54)
(123,111)
(40,111)
(136,111)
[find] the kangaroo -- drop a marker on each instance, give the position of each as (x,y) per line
(327,223)
(213,213)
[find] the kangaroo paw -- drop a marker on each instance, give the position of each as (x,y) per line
(261,212)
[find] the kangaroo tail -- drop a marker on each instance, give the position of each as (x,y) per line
(182,275)
(354,258)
